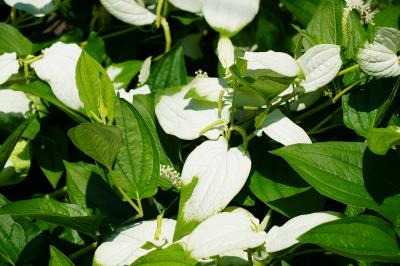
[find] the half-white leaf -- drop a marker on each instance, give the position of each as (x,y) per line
(129,11)
(127,245)
(38,8)
(14,102)
(283,130)
(221,172)
(228,17)
(8,66)
(128,96)
(194,6)
(320,65)
(282,237)
(225,232)
(57,67)
(185,117)
(388,37)
(379,61)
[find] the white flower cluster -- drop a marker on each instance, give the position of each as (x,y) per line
(171,175)
(362,8)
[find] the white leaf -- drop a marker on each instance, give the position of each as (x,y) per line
(388,37)
(14,102)
(224,232)
(126,246)
(226,52)
(282,237)
(221,173)
(320,65)
(144,90)
(280,128)
(38,8)
(145,70)
(129,11)
(57,67)
(228,17)
(186,118)
(194,6)
(379,61)
(302,101)
(8,66)
(259,63)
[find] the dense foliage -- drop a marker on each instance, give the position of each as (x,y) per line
(199,132)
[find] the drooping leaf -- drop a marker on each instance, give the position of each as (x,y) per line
(367,238)
(36,8)
(15,234)
(170,71)
(50,151)
(326,24)
(137,167)
(380,140)
(11,40)
(100,142)
(349,173)
(57,258)
(56,212)
(85,184)
(8,146)
(174,255)
(95,88)
(364,108)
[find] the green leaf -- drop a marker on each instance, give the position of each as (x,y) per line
(326,24)
(42,90)
(57,258)
(85,184)
(170,71)
(366,238)
(100,142)
(121,74)
(95,47)
(388,17)
(8,146)
(50,151)
(137,167)
(303,10)
(11,40)
(15,234)
(380,140)
(95,89)
(52,211)
(349,173)
(174,255)
(365,107)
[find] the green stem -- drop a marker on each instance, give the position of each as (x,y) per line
(83,251)
(34,23)
(321,130)
(159,9)
(167,34)
(13,16)
(347,70)
(57,193)
(348,88)
(138,207)
(117,33)
(212,125)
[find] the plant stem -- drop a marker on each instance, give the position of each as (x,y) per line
(117,33)
(138,208)
(159,9)
(337,97)
(83,251)
(167,34)
(57,193)
(347,70)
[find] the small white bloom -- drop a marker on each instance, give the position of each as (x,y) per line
(57,67)
(225,232)
(38,8)
(127,245)
(282,237)
(8,66)
(221,173)
(228,17)
(280,128)
(129,11)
